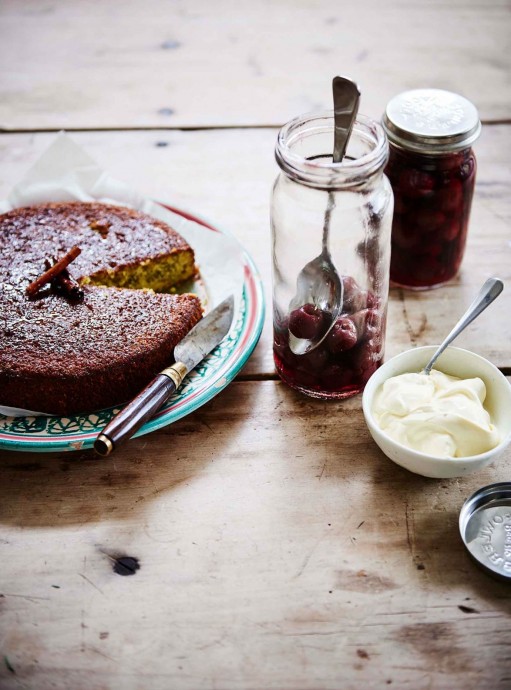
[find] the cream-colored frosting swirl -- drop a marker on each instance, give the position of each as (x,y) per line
(437,414)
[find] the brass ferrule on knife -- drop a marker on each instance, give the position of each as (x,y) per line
(103,445)
(176,372)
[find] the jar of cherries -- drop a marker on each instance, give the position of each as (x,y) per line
(432,171)
(353,200)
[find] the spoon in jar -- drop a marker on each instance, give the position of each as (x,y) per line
(486,295)
(319,290)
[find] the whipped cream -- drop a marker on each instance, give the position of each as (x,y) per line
(437,414)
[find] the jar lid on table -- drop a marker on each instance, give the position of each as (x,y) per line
(485,528)
(431,121)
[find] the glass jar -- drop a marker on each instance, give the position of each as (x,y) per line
(355,198)
(432,171)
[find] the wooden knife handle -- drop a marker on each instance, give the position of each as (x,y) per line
(139,410)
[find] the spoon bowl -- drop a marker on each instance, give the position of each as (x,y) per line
(319,295)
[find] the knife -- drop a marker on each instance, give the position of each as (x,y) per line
(199,342)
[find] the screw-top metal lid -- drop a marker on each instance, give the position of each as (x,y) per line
(485,527)
(431,121)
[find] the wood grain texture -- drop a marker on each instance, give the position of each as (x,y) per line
(227,177)
(276,546)
(276,550)
(157,63)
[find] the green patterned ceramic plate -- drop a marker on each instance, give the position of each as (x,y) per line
(44,434)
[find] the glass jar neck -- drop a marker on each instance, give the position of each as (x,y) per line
(304,146)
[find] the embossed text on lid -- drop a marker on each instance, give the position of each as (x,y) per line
(485,527)
(431,121)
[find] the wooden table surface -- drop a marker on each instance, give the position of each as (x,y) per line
(277,546)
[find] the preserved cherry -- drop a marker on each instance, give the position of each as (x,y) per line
(432,196)
(343,335)
(307,322)
(342,364)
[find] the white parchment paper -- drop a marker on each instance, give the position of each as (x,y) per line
(65,172)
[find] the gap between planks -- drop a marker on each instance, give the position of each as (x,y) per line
(506,371)
(269,376)
(139,128)
(170,128)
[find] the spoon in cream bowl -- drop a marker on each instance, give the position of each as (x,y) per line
(486,295)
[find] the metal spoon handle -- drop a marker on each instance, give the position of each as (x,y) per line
(346,97)
(490,291)
(346,100)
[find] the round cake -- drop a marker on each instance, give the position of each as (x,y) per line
(63,356)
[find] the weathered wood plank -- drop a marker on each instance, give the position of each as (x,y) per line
(157,63)
(278,548)
(227,176)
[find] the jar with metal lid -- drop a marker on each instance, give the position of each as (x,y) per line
(432,171)
(355,199)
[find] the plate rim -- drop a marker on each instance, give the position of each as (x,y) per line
(251,274)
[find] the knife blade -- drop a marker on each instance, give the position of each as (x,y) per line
(188,353)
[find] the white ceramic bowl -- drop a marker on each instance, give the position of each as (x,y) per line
(456,362)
